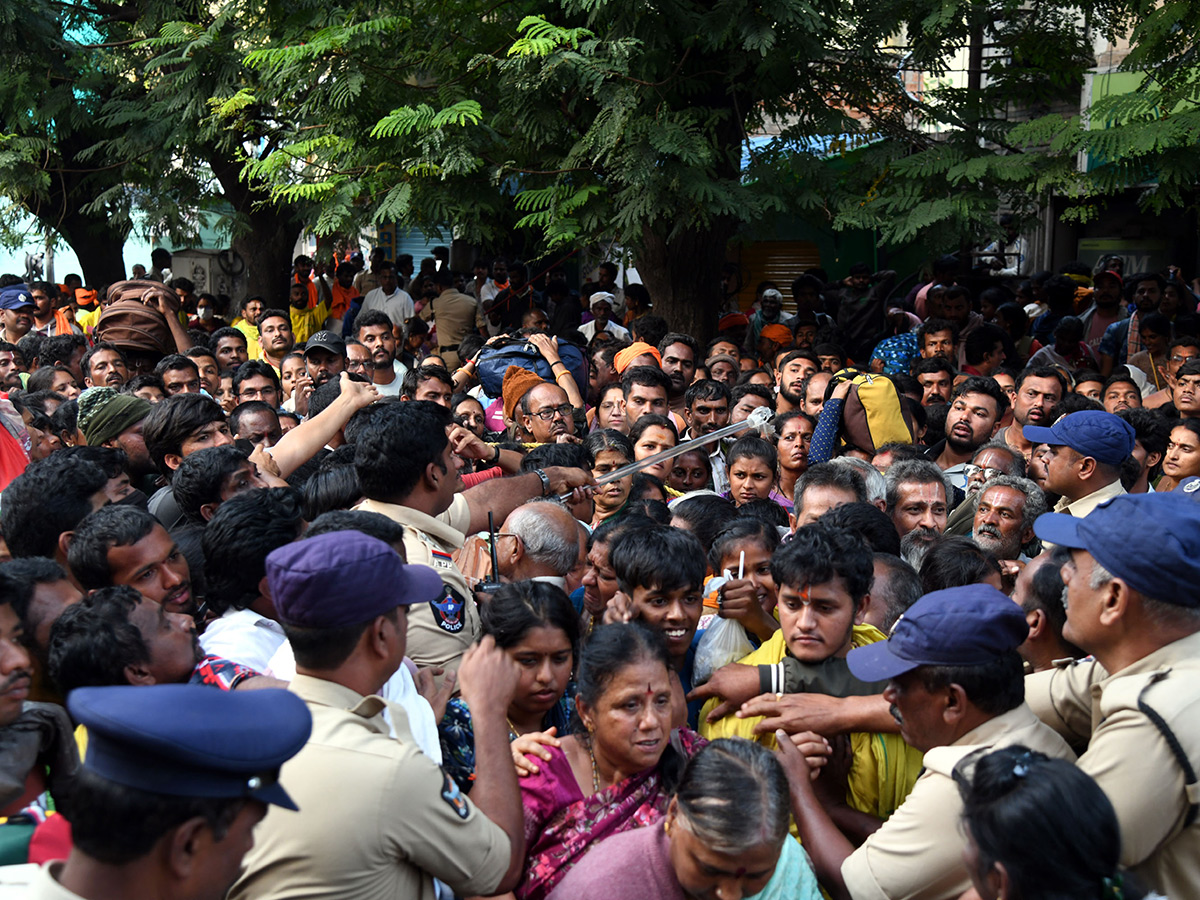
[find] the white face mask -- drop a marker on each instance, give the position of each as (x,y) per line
(205,312)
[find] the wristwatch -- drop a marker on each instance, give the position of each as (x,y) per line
(545,481)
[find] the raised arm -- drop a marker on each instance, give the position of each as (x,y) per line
(548,347)
(824,439)
(170,310)
(488,677)
(502,495)
(469,445)
(304,441)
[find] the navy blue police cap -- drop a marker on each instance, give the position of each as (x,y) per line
(1101,435)
(344,578)
(187,740)
(960,626)
(1190,487)
(1149,541)
(16,296)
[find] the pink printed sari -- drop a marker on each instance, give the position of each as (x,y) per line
(561,824)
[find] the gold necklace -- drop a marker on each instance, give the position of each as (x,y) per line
(595,774)
(513,734)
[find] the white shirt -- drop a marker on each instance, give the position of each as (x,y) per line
(716,456)
(488,291)
(393,388)
(245,637)
(1012,253)
(398,305)
(720,471)
(399,689)
(618,331)
(48,329)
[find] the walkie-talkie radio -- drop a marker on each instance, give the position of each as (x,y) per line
(492,584)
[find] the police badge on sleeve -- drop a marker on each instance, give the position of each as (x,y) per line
(453,797)
(448,611)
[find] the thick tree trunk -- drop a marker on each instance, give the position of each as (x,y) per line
(99,248)
(98,244)
(682,272)
(267,250)
(266,245)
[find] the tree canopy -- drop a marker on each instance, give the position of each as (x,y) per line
(584,120)
(104,129)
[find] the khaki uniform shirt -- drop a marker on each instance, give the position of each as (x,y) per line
(365,282)
(1084,505)
(438,633)
(917,853)
(1128,756)
(378,819)
(456,315)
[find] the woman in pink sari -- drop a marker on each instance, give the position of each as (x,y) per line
(618,771)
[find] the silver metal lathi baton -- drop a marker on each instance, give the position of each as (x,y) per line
(758,420)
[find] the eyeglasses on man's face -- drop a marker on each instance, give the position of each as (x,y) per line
(551,411)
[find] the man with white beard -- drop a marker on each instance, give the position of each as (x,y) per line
(1004,517)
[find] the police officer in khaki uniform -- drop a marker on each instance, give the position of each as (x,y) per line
(1087,449)
(409,471)
(176,778)
(455,315)
(955,687)
(381,819)
(1133,602)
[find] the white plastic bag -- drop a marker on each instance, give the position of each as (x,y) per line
(724,642)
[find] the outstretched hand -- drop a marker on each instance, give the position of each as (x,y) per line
(734,684)
(793,713)
(547,346)
(359,393)
(619,610)
(568,478)
(427,686)
(529,747)
(467,444)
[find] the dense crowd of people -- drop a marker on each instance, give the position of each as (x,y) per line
(427,584)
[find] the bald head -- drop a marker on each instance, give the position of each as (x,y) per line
(813,399)
(537,539)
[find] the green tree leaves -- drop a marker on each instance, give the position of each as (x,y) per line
(569,121)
